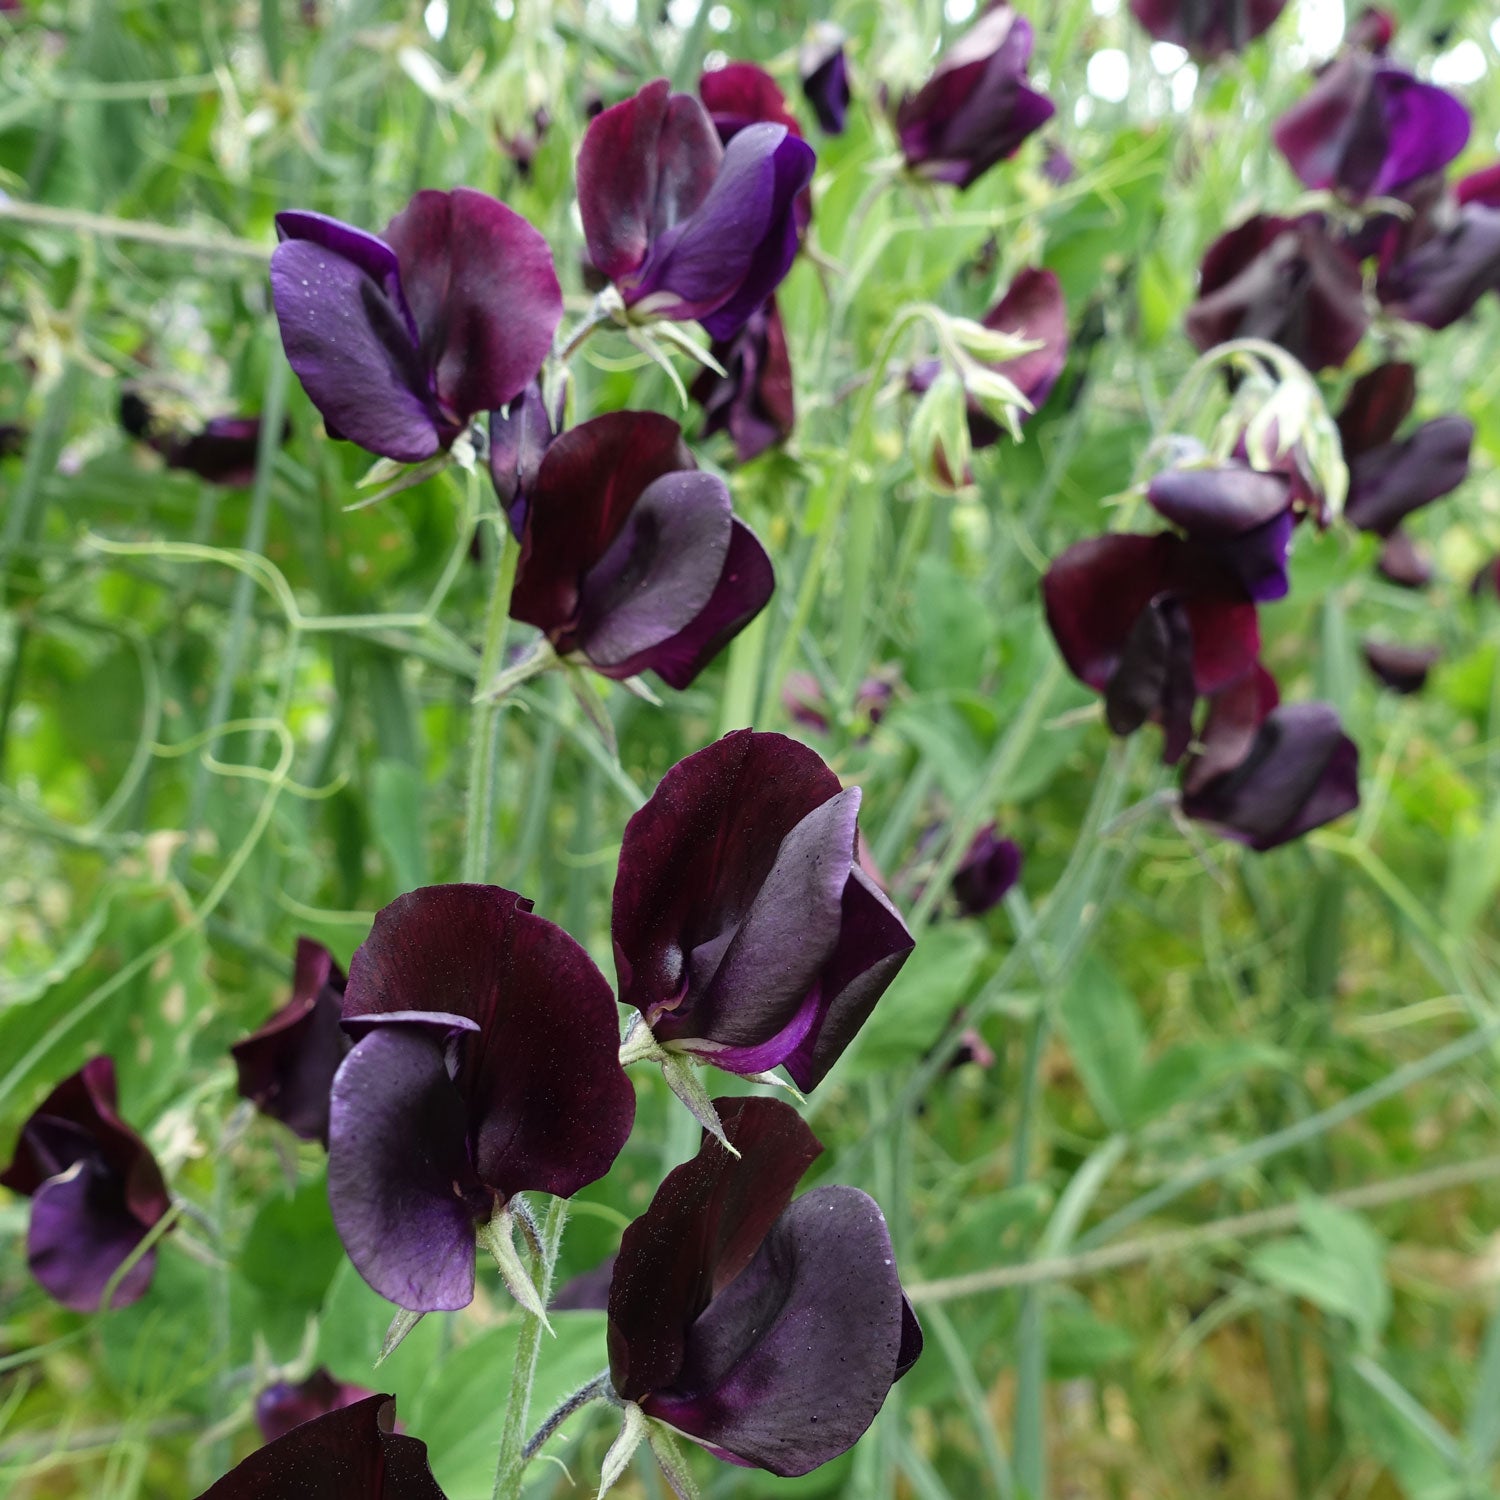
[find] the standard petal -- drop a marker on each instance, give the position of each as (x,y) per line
(404,1196)
(81,1232)
(1403,563)
(1426,126)
(1337,135)
(1376,406)
(1207,28)
(741,94)
(825,79)
(789,1365)
(703,1228)
(483,290)
(350,1454)
(1388,483)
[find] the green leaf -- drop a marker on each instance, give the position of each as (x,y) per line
(1103,1028)
(293,1249)
(396,811)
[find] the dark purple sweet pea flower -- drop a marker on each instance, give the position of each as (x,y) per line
(354,1453)
(1367,127)
(684,227)
(632,556)
(1284,280)
(745,931)
(485,1064)
(741,94)
(1239,515)
(1403,563)
(222,451)
(400,341)
(519,438)
(95,1192)
(825,77)
(1234,717)
(1388,480)
(286,1068)
(1300,772)
(1440,274)
(752,401)
(1403,669)
(1152,623)
(283,1406)
(769,1331)
(1207,28)
(989,869)
(977,108)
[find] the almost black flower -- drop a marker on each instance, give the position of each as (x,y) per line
(825,77)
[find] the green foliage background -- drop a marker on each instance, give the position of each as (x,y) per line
(205,756)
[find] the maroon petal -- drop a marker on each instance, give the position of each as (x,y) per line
(286,1068)
(350,1454)
(788,1366)
(1301,772)
(1376,406)
(482,287)
(350,336)
(223,452)
(704,1226)
(283,1406)
(1403,669)
(547,1106)
(1481,187)
(1207,28)
(741,94)
(1234,716)
(81,1232)
(1033,308)
(1154,678)
(1388,483)
(588,482)
(643,166)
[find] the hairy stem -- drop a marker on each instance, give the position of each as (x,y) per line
(595,1390)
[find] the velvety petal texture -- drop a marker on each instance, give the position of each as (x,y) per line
(631,556)
(1207,28)
(769,1331)
(825,77)
(283,1406)
(978,106)
(1367,127)
(485,1064)
(286,1068)
(96,1191)
(685,228)
(744,931)
(353,1453)
(1285,280)
(752,401)
(401,341)
(1301,771)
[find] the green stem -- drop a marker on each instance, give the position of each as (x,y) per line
(511,1464)
(480,814)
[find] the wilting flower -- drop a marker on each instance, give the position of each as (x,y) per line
(401,341)
(283,1406)
(519,437)
(768,1330)
(752,400)
(806,704)
(1207,28)
(1368,127)
(745,931)
(684,227)
(1033,309)
(989,869)
(1300,771)
(825,77)
(1284,280)
(977,107)
(1388,479)
(354,1453)
(1403,563)
(286,1068)
(485,1064)
(632,556)
(1152,623)
(95,1191)
(222,451)
(1238,515)
(1403,669)
(1434,271)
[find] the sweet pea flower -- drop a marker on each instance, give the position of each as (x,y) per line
(768,1331)
(401,341)
(354,1453)
(825,77)
(222,451)
(631,556)
(1300,771)
(1403,669)
(1152,623)
(745,932)
(519,439)
(484,1065)
(286,1068)
(1284,280)
(1368,127)
(95,1191)
(1403,563)
(988,871)
(1451,260)
(281,1407)
(1389,479)
(752,401)
(1207,28)
(977,108)
(741,94)
(684,227)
